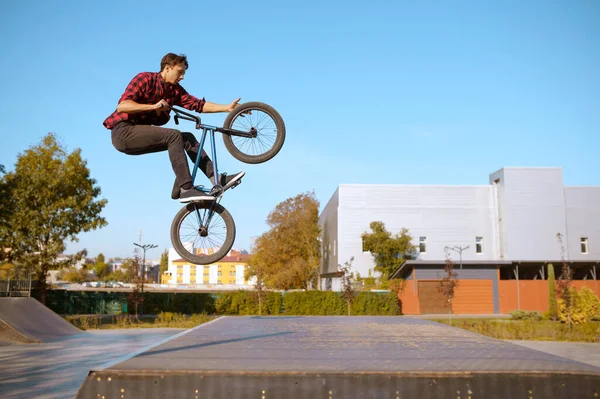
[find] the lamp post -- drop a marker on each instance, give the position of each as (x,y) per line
(459,250)
(144,247)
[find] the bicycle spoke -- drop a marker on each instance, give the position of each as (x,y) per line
(190,231)
(266,133)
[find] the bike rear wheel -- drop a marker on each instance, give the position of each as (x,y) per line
(270,132)
(202,232)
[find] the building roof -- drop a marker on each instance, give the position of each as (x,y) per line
(403,270)
(233,258)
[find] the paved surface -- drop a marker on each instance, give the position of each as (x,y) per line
(27,320)
(341,344)
(583,352)
(57,369)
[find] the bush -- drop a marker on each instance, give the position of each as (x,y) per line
(525,315)
(320,303)
(373,304)
(585,306)
(246,303)
(186,303)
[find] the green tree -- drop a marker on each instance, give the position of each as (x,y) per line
(287,255)
(389,252)
(552,304)
(53,199)
(164,263)
(6,206)
(73,275)
(101,268)
(347,287)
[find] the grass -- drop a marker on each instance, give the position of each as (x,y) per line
(162,320)
(532,330)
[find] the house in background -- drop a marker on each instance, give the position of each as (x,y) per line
(504,233)
(229,272)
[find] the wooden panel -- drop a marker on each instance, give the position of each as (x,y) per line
(408,298)
(532,294)
(507,290)
(431,301)
(473,297)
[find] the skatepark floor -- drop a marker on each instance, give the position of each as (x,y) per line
(58,368)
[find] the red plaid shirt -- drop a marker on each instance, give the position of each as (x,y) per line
(150,88)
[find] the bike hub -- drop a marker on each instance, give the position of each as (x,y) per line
(203,231)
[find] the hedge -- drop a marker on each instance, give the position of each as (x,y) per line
(224,303)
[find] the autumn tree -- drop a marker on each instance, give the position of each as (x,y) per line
(565,282)
(552,304)
(389,251)
(136,296)
(287,255)
(52,200)
(448,283)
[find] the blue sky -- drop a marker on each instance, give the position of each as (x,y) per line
(428,92)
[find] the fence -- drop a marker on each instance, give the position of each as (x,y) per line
(16,287)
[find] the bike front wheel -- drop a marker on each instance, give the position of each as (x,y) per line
(202,232)
(270,132)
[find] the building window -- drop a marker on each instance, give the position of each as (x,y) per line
(334,247)
(423,245)
(479,245)
(584,245)
(219,273)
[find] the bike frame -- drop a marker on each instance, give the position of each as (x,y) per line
(209,130)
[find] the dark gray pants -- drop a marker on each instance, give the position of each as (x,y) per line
(134,139)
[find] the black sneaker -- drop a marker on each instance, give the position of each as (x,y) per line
(193,194)
(228,181)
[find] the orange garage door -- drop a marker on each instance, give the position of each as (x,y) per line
(431,301)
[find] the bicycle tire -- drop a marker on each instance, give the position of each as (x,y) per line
(238,153)
(202,259)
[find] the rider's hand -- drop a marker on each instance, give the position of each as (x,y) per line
(161,106)
(235,104)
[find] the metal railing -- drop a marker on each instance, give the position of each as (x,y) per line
(16,287)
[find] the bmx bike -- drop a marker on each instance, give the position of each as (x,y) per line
(202,232)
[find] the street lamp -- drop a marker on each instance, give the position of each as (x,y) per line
(459,250)
(144,247)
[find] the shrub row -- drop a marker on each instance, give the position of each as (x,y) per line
(226,303)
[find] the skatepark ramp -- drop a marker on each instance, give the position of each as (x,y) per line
(27,320)
(338,357)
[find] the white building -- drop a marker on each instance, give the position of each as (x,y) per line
(513,218)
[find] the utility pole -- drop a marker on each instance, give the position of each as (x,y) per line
(459,250)
(144,248)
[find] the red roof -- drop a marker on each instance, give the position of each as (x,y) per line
(234,258)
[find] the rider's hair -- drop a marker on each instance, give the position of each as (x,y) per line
(172,60)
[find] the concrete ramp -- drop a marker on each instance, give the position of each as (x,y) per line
(339,357)
(28,321)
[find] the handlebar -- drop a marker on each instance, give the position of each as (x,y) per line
(179,114)
(187,116)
